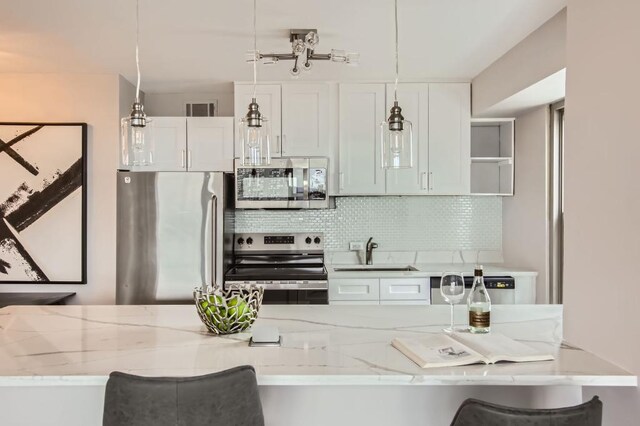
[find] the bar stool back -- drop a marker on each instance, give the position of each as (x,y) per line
(226,398)
(474,412)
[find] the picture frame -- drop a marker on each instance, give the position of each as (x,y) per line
(43,203)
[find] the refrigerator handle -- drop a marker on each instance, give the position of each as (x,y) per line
(214,243)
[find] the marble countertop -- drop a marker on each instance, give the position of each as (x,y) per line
(322,345)
(425,270)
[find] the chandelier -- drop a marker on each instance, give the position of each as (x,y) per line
(136,141)
(303,45)
(396,132)
(255,133)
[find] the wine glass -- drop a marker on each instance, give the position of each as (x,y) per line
(452,289)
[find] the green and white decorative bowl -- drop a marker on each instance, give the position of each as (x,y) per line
(228,311)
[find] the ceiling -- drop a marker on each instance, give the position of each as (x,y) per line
(195,45)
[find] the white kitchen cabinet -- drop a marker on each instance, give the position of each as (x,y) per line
(359,289)
(190,144)
(168,139)
(269,98)
(525,292)
(492,161)
(362,108)
(440,116)
(407,289)
(210,144)
(449,138)
(305,120)
(413,98)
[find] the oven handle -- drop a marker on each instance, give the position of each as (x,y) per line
(315,285)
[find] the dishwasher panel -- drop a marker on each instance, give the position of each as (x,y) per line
(501,289)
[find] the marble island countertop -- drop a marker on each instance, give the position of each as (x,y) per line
(322,345)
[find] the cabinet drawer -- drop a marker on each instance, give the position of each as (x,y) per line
(354,289)
(405,289)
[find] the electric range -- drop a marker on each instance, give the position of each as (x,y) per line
(290,267)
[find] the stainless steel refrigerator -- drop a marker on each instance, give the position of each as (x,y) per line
(171,234)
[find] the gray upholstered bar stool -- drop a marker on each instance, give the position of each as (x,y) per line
(227,398)
(473,412)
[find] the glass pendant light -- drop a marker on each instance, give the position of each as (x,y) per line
(254,127)
(396,132)
(135,130)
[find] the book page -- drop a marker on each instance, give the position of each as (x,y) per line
(498,347)
(438,350)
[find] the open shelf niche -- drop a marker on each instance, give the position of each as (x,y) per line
(492,145)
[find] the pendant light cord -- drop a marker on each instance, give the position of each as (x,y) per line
(395,90)
(137,50)
(255,49)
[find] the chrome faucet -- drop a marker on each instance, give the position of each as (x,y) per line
(370,247)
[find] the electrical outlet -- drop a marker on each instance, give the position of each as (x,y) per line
(356,245)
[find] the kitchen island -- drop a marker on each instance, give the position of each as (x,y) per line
(333,359)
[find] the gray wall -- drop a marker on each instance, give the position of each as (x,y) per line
(525,214)
(602,199)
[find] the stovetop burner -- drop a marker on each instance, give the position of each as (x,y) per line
(279,261)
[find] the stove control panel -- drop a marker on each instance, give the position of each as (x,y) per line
(279,242)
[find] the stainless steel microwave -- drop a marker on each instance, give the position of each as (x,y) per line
(286,183)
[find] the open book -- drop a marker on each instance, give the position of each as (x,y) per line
(449,350)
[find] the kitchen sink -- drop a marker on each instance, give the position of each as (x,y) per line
(376,269)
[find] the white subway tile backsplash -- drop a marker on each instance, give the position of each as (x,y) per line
(395,223)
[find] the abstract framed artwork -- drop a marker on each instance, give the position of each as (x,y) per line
(43,203)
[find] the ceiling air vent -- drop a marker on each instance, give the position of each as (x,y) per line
(201,109)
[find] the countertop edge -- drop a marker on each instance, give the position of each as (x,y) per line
(360,380)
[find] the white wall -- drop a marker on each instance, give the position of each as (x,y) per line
(602,195)
(524,216)
(90,98)
(173,104)
(538,56)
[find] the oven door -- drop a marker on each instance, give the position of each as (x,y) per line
(294,183)
(296,297)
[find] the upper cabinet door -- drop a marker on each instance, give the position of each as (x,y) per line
(269,101)
(449,138)
(210,144)
(169,139)
(305,120)
(413,98)
(362,109)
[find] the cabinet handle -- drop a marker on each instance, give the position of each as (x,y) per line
(284,140)
(423,180)
(182,158)
(341,180)
(188,159)
(278,144)
(431,180)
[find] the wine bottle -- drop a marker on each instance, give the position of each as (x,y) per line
(479,305)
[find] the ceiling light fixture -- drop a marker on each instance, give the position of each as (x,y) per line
(135,135)
(397,133)
(303,44)
(254,127)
